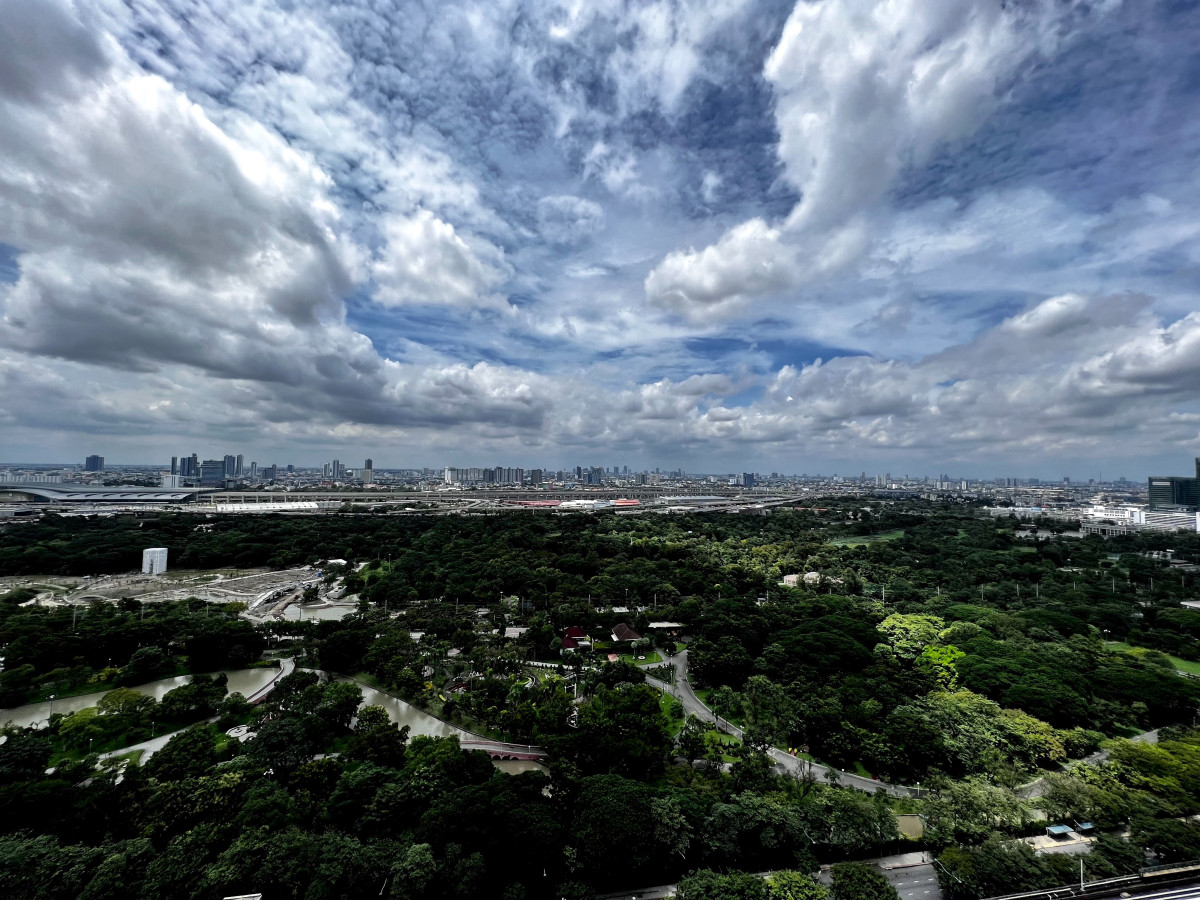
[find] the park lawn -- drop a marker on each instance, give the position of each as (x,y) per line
(1183,665)
(725,742)
(652,658)
(863,539)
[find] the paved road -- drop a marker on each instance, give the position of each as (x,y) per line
(912,877)
(915,882)
(692,705)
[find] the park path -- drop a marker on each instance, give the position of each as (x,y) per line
(693,705)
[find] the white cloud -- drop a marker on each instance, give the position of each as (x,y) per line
(567,219)
(864,89)
(426,261)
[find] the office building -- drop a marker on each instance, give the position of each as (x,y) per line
(238,470)
(93,464)
(189,467)
(230,466)
(174,465)
(1175,492)
(212,473)
(270,473)
(171,481)
(154,560)
(253,471)
(369,464)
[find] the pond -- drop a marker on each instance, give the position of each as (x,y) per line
(402,714)
(244,681)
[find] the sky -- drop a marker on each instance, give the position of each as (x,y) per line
(913,236)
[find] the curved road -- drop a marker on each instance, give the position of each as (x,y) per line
(692,705)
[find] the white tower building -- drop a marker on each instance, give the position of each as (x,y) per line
(154,560)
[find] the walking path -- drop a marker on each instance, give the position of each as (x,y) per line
(693,705)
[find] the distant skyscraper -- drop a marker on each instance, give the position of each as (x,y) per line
(212,473)
(337,470)
(238,471)
(369,464)
(93,464)
(230,466)
(253,471)
(1175,492)
(174,465)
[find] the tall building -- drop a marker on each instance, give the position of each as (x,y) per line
(337,470)
(212,473)
(93,464)
(238,470)
(230,466)
(154,560)
(253,471)
(369,464)
(189,466)
(1175,492)
(174,465)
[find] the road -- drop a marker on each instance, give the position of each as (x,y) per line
(693,705)
(909,873)
(915,882)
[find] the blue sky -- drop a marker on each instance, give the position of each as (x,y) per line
(837,235)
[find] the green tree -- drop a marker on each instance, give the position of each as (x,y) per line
(855,881)
(787,885)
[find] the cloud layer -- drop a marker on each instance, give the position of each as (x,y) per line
(820,236)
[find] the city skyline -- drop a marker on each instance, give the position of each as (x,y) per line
(909,236)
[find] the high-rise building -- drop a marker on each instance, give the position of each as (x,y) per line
(230,466)
(337,470)
(189,466)
(270,473)
(1175,492)
(93,464)
(253,471)
(174,465)
(154,560)
(369,464)
(238,470)
(212,473)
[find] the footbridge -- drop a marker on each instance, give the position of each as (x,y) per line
(503,750)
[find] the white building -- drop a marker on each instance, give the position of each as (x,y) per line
(154,560)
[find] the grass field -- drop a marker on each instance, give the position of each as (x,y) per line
(1183,665)
(863,539)
(651,659)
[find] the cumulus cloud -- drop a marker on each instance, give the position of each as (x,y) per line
(426,261)
(853,114)
(437,226)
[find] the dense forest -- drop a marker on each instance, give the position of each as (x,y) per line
(922,643)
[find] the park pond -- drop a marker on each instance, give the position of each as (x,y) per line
(243,681)
(247,682)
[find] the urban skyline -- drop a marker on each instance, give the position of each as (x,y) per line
(241,465)
(697,236)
